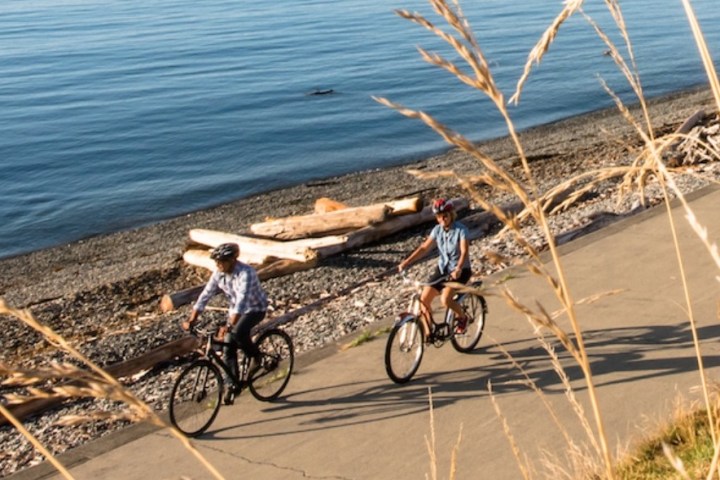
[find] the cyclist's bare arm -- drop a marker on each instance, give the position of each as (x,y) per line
(417,254)
(464,252)
(194,314)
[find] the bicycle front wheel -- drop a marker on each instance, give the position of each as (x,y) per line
(195,398)
(404,350)
(269,379)
(475,309)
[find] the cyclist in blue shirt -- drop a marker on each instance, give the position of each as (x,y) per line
(248,305)
(451,239)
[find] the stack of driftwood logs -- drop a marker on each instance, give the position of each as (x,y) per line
(281,246)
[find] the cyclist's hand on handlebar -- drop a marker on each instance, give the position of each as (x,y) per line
(220,334)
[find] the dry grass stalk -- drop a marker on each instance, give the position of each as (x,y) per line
(654,164)
(521,462)
(675,461)
(704,52)
(666,181)
(629,71)
(634,177)
(101,384)
(532,385)
(454,454)
(430,444)
(583,460)
(35,442)
(543,45)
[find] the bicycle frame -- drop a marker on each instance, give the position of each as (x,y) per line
(208,351)
(405,344)
(415,310)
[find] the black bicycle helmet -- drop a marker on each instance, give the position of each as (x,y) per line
(442,206)
(225,251)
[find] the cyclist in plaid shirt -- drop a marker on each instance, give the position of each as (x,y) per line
(248,305)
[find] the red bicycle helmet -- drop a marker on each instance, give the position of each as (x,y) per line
(442,206)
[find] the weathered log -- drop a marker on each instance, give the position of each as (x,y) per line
(158,355)
(326,205)
(201,258)
(256,248)
(376,232)
(284,266)
(480,223)
(270,269)
(405,206)
(172,301)
(402,206)
(325,247)
(316,224)
(690,122)
(673,157)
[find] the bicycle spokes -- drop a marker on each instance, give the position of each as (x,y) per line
(404,350)
(195,398)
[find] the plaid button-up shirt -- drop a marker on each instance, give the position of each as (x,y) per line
(242,288)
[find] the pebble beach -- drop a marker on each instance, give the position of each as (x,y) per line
(102,293)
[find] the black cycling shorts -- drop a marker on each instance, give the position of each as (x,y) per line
(437,279)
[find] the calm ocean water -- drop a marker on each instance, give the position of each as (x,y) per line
(116,114)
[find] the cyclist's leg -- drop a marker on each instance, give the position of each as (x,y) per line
(230,358)
(426,299)
(427,296)
(241,333)
(448,294)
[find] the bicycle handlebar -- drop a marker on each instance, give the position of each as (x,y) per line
(417,283)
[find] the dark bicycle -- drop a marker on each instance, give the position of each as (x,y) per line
(406,342)
(197,394)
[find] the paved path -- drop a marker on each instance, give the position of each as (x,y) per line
(343,419)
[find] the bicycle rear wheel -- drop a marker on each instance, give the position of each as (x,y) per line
(404,350)
(277,354)
(195,398)
(475,309)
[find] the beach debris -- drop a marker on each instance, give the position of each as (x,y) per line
(700,142)
(164,353)
(334,222)
(255,250)
(273,258)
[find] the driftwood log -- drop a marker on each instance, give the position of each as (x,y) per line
(336,221)
(376,232)
(201,258)
(164,353)
(302,226)
(480,223)
(324,247)
(300,250)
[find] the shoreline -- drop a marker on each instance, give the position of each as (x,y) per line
(129,253)
(102,294)
(400,165)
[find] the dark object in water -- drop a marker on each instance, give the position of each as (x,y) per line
(317,91)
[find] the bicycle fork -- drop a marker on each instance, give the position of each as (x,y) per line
(409,331)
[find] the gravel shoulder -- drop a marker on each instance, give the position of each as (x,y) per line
(102,293)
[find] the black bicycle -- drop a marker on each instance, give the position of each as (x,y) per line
(405,345)
(197,394)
